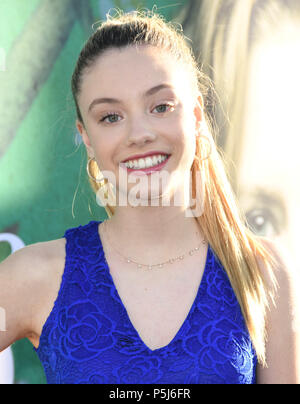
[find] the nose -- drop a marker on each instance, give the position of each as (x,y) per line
(139,134)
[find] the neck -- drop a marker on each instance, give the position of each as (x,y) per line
(153,233)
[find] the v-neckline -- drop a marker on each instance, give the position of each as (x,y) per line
(116,293)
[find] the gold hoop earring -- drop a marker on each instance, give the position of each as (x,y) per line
(100,179)
(105,195)
(210,146)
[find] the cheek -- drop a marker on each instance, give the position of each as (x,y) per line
(191,150)
(103,151)
(186,144)
(189,136)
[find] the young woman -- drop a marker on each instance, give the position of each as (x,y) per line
(164,291)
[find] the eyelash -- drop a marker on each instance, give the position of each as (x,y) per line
(113,113)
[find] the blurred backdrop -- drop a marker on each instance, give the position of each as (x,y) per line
(250,49)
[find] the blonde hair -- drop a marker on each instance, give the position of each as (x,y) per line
(222,224)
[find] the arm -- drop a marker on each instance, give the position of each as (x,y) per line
(282,324)
(20,281)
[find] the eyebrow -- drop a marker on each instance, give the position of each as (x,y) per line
(270,198)
(148,93)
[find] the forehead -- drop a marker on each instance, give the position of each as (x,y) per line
(131,70)
(270,153)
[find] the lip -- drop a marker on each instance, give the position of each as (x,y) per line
(149,154)
(146,171)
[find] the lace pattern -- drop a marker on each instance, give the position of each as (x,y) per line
(88,337)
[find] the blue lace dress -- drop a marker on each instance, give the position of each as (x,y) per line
(88,337)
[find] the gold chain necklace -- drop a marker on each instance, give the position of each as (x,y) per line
(151,266)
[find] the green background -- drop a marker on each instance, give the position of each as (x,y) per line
(43,182)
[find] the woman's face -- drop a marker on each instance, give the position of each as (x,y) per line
(134,101)
(269,172)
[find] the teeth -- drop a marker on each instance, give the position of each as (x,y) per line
(147,162)
(142,163)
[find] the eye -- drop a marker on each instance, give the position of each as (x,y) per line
(109,116)
(262,222)
(112,117)
(163,106)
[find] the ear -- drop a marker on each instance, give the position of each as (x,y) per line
(198,111)
(85,137)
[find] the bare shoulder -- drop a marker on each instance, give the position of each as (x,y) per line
(47,252)
(27,280)
(38,261)
(49,262)
(283,320)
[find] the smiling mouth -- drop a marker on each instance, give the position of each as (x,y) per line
(146,170)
